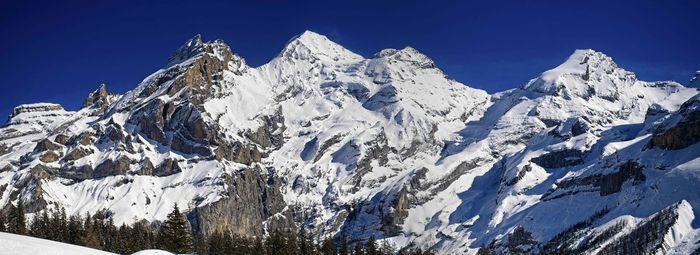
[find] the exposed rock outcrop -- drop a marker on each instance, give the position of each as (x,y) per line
(606,184)
(111,167)
(682,135)
(46,145)
(99,100)
(557,159)
(251,199)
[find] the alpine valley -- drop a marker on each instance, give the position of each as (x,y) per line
(583,159)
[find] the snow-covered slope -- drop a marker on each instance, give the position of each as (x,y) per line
(11,244)
(387,146)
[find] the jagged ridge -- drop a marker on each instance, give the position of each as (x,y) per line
(325,139)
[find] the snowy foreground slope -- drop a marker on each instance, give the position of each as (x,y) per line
(11,244)
(585,158)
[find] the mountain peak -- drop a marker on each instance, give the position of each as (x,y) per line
(407,54)
(311,45)
(35,107)
(98,99)
(308,35)
(191,48)
(584,73)
(195,46)
(580,62)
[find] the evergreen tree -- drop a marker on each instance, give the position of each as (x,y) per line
(62,224)
(358,250)
(344,248)
(259,248)
(292,243)
(110,235)
(305,244)
(328,246)
(200,244)
(90,234)
(386,248)
(16,222)
(74,230)
(215,244)
(174,235)
(39,226)
(371,247)
(276,244)
(228,243)
(2,222)
(98,231)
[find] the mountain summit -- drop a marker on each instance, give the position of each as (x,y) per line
(310,45)
(322,139)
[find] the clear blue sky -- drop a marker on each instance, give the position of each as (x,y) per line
(56,51)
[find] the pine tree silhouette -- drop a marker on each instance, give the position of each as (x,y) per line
(174,235)
(344,248)
(16,222)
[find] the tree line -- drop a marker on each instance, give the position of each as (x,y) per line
(99,231)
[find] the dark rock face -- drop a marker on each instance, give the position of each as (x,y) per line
(36,200)
(61,139)
(647,238)
(77,173)
(98,100)
(77,153)
(682,135)
(151,120)
(606,183)
(565,241)
(35,108)
(146,167)
(384,97)
(580,127)
(5,149)
(559,159)
(49,156)
(168,167)
(270,134)
(252,198)
(521,174)
(112,167)
(238,152)
(396,217)
(612,183)
(179,123)
(377,149)
(46,145)
(327,144)
(520,241)
(43,172)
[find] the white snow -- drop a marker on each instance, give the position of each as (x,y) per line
(12,244)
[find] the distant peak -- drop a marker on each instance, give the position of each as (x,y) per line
(585,56)
(196,40)
(35,107)
(308,35)
(196,46)
(407,54)
(191,48)
(584,73)
(311,45)
(581,62)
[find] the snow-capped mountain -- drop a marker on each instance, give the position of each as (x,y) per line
(581,159)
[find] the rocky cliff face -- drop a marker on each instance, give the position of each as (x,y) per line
(387,146)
